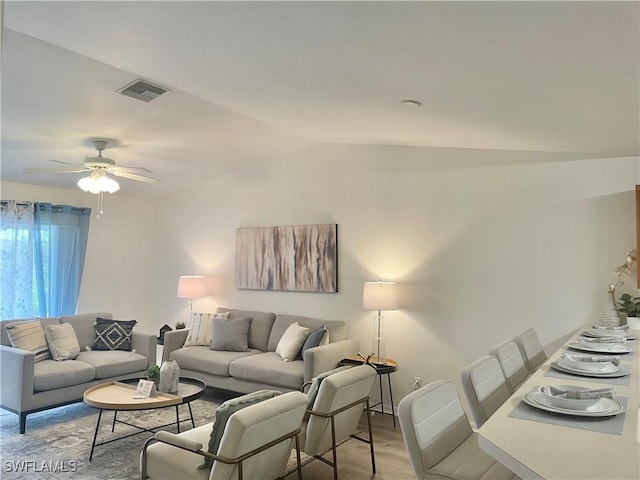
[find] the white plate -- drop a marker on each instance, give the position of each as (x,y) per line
(609,333)
(560,401)
(588,367)
(622,371)
(605,407)
(614,348)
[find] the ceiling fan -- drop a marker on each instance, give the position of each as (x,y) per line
(98,181)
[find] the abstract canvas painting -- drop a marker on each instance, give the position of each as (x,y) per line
(301,258)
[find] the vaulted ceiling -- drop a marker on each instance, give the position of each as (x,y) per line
(254,81)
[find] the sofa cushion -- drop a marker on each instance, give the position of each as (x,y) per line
(200,326)
(291,342)
(315,338)
(29,336)
(50,375)
(4,336)
(111,363)
(83,324)
(62,341)
(113,334)
(260,326)
(337,328)
(269,368)
(231,334)
(203,359)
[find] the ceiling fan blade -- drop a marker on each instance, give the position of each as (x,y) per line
(131,170)
(66,163)
(135,176)
(70,169)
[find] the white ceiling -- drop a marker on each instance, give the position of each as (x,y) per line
(253,81)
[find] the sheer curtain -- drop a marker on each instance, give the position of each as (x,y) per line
(17,285)
(61,233)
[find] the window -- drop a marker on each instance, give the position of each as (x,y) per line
(42,249)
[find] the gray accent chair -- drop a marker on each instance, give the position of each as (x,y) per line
(485,387)
(512,363)
(28,386)
(256,443)
(531,348)
(439,438)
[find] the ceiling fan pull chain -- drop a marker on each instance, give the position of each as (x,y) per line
(100,205)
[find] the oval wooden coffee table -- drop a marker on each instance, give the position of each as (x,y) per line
(118,396)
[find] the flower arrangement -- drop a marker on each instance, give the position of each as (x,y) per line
(622,270)
(629,306)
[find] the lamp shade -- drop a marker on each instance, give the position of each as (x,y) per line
(379,296)
(192,286)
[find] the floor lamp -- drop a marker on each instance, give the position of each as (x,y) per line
(379,296)
(192,286)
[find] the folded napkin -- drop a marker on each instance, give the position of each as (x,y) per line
(616,327)
(588,358)
(609,333)
(612,339)
(585,394)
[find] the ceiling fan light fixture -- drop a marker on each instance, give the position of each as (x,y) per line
(98,182)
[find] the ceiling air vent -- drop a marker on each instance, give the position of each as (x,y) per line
(142,90)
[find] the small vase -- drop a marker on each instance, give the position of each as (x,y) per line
(610,316)
(169,377)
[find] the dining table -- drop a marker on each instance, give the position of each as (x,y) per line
(538,443)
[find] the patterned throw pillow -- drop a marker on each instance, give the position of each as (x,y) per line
(200,326)
(223,413)
(29,336)
(113,334)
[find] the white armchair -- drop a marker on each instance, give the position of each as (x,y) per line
(256,443)
(336,412)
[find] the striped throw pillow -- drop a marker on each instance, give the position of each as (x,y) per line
(29,336)
(200,326)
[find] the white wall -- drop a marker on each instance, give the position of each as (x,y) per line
(483,243)
(117,275)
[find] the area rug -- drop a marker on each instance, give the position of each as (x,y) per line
(57,442)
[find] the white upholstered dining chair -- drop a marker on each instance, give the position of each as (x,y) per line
(531,348)
(485,387)
(512,363)
(439,439)
(256,443)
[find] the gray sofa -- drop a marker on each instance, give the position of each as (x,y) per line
(261,367)
(28,386)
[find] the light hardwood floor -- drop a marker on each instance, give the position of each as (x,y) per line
(354,461)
